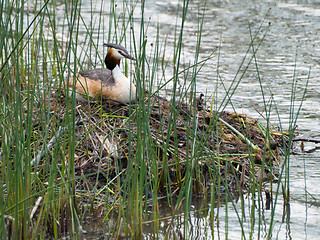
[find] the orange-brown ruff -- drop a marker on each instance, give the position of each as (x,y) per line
(110,82)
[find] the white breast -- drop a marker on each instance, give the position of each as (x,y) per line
(124,89)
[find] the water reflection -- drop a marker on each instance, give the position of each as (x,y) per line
(288,52)
(289,49)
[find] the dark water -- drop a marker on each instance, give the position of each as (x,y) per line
(289,53)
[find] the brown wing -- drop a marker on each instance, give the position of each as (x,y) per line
(99,74)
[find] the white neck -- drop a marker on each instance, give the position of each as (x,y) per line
(117,74)
(124,85)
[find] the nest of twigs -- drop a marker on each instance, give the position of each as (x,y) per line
(106,136)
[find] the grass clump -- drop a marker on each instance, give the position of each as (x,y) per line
(62,160)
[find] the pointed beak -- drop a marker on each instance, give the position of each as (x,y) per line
(128,56)
(123,53)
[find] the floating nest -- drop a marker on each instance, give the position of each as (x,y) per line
(234,146)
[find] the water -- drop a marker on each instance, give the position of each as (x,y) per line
(290,50)
(290,45)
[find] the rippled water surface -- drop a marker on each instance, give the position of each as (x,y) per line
(289,52)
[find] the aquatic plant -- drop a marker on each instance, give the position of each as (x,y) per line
(62,161)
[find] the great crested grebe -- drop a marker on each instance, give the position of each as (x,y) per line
(109,83)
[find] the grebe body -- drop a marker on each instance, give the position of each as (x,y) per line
(109,83)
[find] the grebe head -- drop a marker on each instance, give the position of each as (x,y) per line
(114,55)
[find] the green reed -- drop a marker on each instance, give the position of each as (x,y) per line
(31,69)
(39,181)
